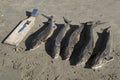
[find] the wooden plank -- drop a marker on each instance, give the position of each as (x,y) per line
(20,32)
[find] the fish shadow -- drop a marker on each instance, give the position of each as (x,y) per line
(97,48)
(77,48)
(51,41)
(32,36)
(65,40)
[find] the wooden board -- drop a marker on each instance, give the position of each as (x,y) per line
(19,33)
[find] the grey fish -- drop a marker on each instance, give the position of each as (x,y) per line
(88,42)
(45,34)
(60,36)
(101,57)
(87,48)
(74,38)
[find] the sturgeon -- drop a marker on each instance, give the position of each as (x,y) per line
(88,42)
(102,57)
(87,47)
(74,38)
(45,34)
(60,36)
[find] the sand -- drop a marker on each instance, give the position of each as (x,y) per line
(37,64)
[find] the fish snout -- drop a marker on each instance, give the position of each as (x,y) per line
(67,54)
(56,51)
(34,47)
(96,66)
(80,63)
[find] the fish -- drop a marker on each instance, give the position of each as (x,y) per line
(60,36)
(45,34)
(87,48)
(74,38)
(102,56)
(88,43)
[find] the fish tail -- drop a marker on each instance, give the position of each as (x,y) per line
(48,17)
(106,29)
(99,22)
(67,21)
(95,23)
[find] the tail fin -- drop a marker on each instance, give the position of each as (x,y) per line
(48,17)
(95,23)
(106,29)
(99,22)
(67,21)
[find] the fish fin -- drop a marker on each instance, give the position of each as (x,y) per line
(95,23)
(46,16)
(99,22)
(106,29)
(99,34)
(67,21)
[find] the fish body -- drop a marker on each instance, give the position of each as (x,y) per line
(102,56)
(74,38)
(45,34)
(87,48)
(60,36)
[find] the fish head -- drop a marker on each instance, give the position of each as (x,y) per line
(67,53)
(55,52)
(101,62)
(97,62)
(34,44)
(81,61)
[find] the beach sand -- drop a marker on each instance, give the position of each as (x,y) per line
(38,64)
